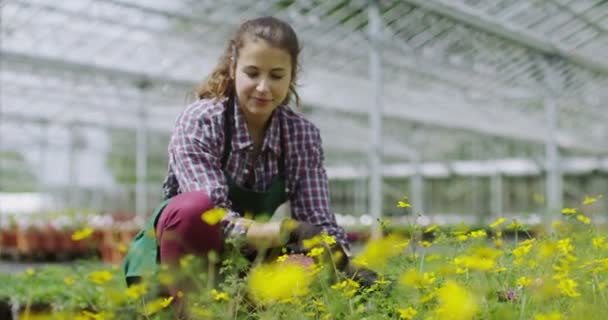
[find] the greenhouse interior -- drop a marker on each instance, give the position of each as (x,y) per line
(462,111)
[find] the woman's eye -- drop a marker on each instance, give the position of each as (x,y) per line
(276,77)
(252,75)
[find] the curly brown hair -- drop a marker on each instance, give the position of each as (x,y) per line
(277,33)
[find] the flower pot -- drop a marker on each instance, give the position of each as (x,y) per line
(8,238)
(28,241)
(48,241)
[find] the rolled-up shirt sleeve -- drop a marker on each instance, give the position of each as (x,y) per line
(310,201)
(195,152)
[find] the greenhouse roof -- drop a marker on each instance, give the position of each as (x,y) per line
(456,72)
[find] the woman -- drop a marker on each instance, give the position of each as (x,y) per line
(241,148)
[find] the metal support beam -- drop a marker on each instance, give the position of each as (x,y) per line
(468,16)
(72,153)
(553,185)
(141,158)
(375,116)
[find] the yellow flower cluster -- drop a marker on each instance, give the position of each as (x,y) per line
(415,279)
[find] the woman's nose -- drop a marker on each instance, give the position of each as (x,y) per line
(262,86)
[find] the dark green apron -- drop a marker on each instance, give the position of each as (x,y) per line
(143,258)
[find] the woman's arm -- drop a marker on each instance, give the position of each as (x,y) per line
(310,201)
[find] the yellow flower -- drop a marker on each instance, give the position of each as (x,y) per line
(403,204)
(319,305)
(315,252)
(348,287)
(134,292)
(583,219)
(522,249)
(456,303)
(432,257)
(548,316)
(219,296)
(382,281)
(29,272)
(499,270)
(523,281)
(514,225)
(82,234)
(278,282)
(100,277)
(413,278)
(122,248)
(565,245)
(377,252)
(68,281)
(548,249)
(482,259)
(166,278)
(401,245)
(213,216)
(497,223)
(156,305)
(569,211)
(475,263)
(589,200)
(430,229)
(498,243)
(424,243)
(87,315)
(186,261)
(427,297)
(462,237)
(599,242)
(568,287)
(321,240)
(478,234)
(407,314)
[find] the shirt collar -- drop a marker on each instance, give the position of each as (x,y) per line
(242,139)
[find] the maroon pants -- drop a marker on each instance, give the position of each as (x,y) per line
(180,229)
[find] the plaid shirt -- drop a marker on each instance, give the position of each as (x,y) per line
(196,149)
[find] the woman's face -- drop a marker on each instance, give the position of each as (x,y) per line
(262,77)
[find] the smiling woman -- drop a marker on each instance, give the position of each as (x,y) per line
(242,150)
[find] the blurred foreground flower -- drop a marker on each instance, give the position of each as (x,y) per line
(413,278)
(548,316)
(377,252)
(213,216)
(455,302)
(278,282)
